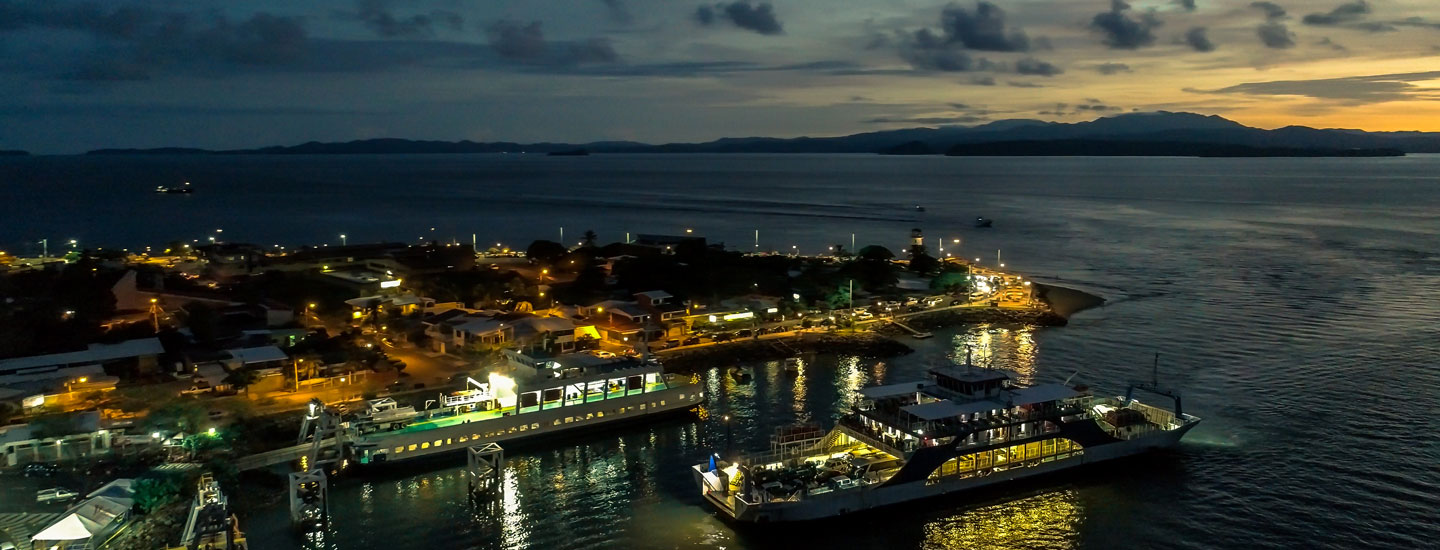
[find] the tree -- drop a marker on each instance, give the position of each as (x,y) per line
(923,263)
(241,378)
(182,416)
(204,322)
(155,489)
(543,251)
(876,253)
(951,279)
(590,238)
(840,251)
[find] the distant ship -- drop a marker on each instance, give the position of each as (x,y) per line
(919,208)
(175,190)
(983,222)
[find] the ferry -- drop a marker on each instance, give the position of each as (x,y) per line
(962,428)
(547,395)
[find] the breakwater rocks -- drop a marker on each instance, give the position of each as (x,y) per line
(1067,301)
(772,349)
(953,317)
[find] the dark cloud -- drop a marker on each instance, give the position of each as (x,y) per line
(1020,84)
(1122,31)
(1198,40)
(1032,66)
(1275,35)
(982,29)
(1112,68)
(1327,42)
(1342,14)
(618,11)
(526,42)
(1095,106)
(960,106)
(962,119)
(1272,10)
(377,15)
(1187,5)
(759,18)
(137,42)
(1353,90)
(927,51)
(990,80)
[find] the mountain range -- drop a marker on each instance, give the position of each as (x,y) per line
(1169,132)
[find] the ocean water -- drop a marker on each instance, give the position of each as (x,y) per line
(1293,301)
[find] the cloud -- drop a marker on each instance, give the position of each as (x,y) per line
(1344,13)
(137,42)
(618,11)
(1187,5)
(990,80)
(1111,68)
(526,42)
(983,29)
(1095,106)
(759,18)
(1123,32)
(1032,66)
(378,17)
(1021,84)
(1275,35)
(1197,39)
(1327,42)
(961,119)
(1272,10)
(1354,90)
(927,51)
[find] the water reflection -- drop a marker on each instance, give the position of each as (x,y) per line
(990,346)
(1050,520)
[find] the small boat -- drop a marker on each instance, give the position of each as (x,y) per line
(175,190)
(740,375)
(983,222)
(919,208)
(792,366)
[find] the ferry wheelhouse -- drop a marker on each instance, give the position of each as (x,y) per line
(547,395)
(962,428)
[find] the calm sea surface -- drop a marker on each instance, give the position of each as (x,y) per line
(1295,302)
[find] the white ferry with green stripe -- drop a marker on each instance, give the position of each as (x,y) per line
(545,397)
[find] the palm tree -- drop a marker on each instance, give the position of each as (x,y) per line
(590,237)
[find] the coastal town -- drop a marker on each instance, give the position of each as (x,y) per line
(137,386)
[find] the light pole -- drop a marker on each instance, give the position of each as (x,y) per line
(342,240)
(44,248)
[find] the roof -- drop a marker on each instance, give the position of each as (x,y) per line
(51,373)
(86,520)
(891,390)
(547,324)
(971,374)
(1041,394)
(632,311)
(655,295)
(212,373)
(940,410)
(443,316)
(262,354)
(96,353)
(477,325)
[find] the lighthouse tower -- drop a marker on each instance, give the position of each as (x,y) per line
(916,237)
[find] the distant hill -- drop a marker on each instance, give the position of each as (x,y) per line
(16,153)
(1115,148)
(1183,130)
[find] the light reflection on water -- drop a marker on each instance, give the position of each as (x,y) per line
(1048,520)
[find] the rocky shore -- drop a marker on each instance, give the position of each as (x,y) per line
(866,344)
(955,317)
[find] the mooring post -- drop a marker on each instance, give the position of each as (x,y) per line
(483,469)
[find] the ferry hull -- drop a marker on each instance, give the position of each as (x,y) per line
(857,500)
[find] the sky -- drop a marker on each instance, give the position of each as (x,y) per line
(77,75)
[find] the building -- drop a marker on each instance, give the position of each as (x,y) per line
(455,329)
(134,356)
(92,522)
(26,443)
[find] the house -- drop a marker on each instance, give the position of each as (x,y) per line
(455,329)
(665,312)
(260,359)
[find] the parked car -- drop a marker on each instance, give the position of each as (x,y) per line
(602,354)
(200,387)
(723,336)
(691,341)
(56,494)
(743,333)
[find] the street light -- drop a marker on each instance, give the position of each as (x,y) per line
(342,239)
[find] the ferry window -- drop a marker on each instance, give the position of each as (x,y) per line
(529,399)
(412,446)
(682,396)
(437,442)
(464,439)
(423,445)
(600,414)
(524,427)
(662,403)
(557,422)
(589,416)
(552,394)
(399,449)
(534,426)
(449,441)
(474,436)
(642,406)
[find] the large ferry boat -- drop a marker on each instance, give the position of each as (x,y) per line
(962,428)
(547,395)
